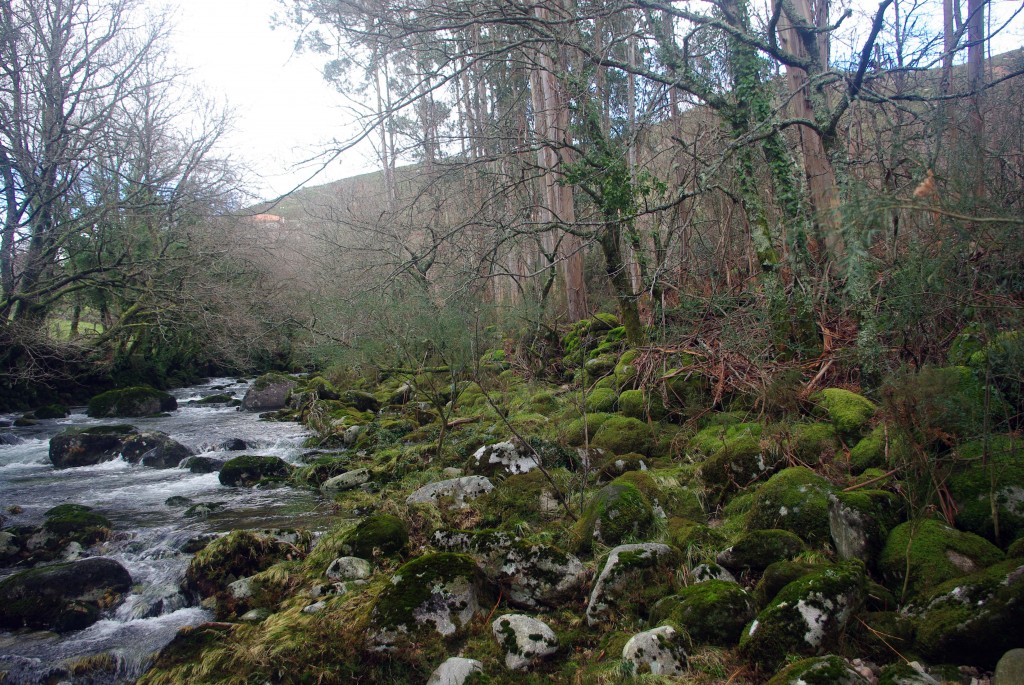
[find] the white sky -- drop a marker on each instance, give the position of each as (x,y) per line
(284,111)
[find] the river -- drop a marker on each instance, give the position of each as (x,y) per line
(148,533)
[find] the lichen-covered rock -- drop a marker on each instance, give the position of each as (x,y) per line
(62,597)
(806,617)
(824,670)
(616,512)
(129,402)
(455,670)
(848,411)
(713,612)
(88,446)
(459,491)
(638,404)
(632,579)
(503,458)
(249,470)
(349,568)
(237,555)
(433,595)
(859,522)
(923,553)
(758,549)
(614,466)
(736,465)
(658,651)
(381,534)
(907,674)
(1010,668)
(794,499)
(350,480)
(705,572)
(971,620)
(524,639)
(623,435)
(1000,472)
(777,576)
(154,449)
(582,430)
(269,392)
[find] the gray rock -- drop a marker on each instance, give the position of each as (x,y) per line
(454,671)
(1010,669)
(314,608)
(503,458)
(658,651)
(524,639)
(8,544)
(458,489)
(349,568)
(204,464)
(255,615)
(233,445)
(351,434)
(705,572)
(627,565)
(268,392)
(88,446)
(241,588)
(154,449)
(401,396)
(350,480)
(831,669)
(8,438)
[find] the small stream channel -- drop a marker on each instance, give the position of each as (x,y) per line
(148,533)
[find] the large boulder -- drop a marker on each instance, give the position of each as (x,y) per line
(658,651)
(456,490)
(859,522)
(712,613)
(759,549)
(524,639)
(140,400)
(380,534)
(794,499)
(632,579)
(249,470)
(237,555)
(63,597)
(154,449)
(992,470)
(824,670)
(432,596)
(617,511)
(76,523)
(269,392)
(455,670)
(807,617)
(88,446)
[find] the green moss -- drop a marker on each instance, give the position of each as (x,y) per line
(616,513)
(600,367)
(719,436)
(711,613)
(812,441)
(382,534)
(756,550)
(135,401)
(248,470)
(415,584)
(999,472)
(238,554)
(823,670)
(623,435)
(795,499)
(640,405)
(77,522)
(737,465)
(923,553)
(872,450)
(1016,549)
(777,576)
(51,411)
(625,371)
(600,400)
(848,411)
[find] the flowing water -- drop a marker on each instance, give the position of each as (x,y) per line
(148,533)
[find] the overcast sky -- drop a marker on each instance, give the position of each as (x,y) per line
(284,111)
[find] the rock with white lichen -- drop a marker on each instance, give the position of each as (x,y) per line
(632,579)
(459,491)
(524,639)
(455,671)
(658,652)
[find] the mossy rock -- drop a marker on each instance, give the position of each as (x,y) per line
(848,411)
(380,534)
(613,466)
(320,470)
(323,388)
(813,441)
(794,499)
(269,392)
(623,435)
(736,466)
(686,389)
(972,620)
(979,476)
(696,540)
(88,446)
(633,578)
(1016,549)
(51,411)
(758,549)
(361,401)
(599,367)
(543,402)
(870,451)
(140,400)
(1003,360)
(625,371)
(76,522)
(432,596)
(860,521)
(239,554)
(600,400)
(924,553)
(807,617)
(820,670)
(248,470)
(718,436)
(578,431)
(713,612)
(617,512)
(777,576)
(523,498)
(638,404)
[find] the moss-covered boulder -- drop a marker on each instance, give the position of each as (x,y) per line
(632,579)
(269,392)
(457,492)
(848,411)
(736,466)
(807,617)
(777,576)
(972,620)
(758,549)
(617,511)
(62,597)
(237,555)
(996,472)
(76,523)
(140,400)
(525,641)
(599,367)
(859,522)
(433,596)
(812,443)
(724,433)
(626,371)
(600,400)
(88,446)
(822,670)
(639,404)
(921,554)
(713,612)
(525,498)
(659,651)
(623,435)
(51,411)
(380,534)
(249,470)
(794,499)
(582,430)
(154,449)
